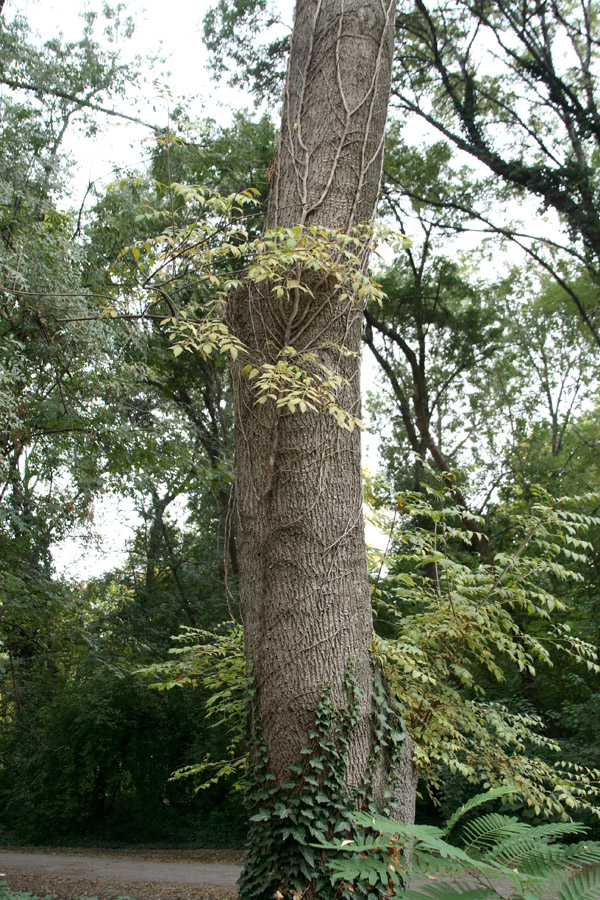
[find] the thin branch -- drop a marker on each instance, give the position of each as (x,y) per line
(65,95)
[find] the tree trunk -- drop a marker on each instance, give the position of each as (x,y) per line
(303,585)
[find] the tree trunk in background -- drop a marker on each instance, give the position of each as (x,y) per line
(303,582)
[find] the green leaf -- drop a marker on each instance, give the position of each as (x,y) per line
(261,816)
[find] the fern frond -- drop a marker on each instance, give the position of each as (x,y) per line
(431,865)
(581,855)
(552,831)
(458,890)
(477,800)
(489,830)
(385,825)
(492,828)
(583,886)
(558,859)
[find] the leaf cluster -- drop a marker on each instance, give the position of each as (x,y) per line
(284,262)
(213,662)
(230,33)
(449,621)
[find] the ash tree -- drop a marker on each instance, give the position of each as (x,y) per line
(303,586)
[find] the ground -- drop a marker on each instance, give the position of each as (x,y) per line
(128,882)
(137,873)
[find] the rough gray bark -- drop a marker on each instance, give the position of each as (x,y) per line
(404,790)
(303,584)
(328,165)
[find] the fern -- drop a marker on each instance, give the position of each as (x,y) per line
(583,886)
(490,829)
(462,890)
(492,856)
(477,800)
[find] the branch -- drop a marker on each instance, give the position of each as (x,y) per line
(73,98)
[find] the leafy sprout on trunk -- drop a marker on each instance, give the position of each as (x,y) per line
(214,256)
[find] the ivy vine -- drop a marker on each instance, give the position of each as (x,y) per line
(314,805)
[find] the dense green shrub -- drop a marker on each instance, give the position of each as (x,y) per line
(97,764)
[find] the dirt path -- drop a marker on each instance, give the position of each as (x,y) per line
(124,871)
(143,875)
(70,875)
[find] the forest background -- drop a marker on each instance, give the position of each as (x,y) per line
(485,586)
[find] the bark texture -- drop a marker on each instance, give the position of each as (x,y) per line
(301,554)
(328,165)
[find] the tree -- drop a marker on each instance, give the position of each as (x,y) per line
(467,68)
(50,465)
(510,85)
(303,585)
(78,417)
(430,334)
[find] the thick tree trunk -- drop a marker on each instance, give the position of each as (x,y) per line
(328,165)
(303,584)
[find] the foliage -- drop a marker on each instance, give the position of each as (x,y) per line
(51,87)
(216,664)
(289,263)
(313,804)
(535,395)
(50,466)
(432,337)
(87,751)
(90,405)
(491,854)
(7,893)
(230,33)
(472,358)
(511,84)
(228,159)
(446,620)
(493,370)
(59,360)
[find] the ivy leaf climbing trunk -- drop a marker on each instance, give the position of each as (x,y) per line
(303,585)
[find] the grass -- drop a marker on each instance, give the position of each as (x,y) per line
(7,894)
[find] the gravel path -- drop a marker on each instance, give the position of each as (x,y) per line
(115,869)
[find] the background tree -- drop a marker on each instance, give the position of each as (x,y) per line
(93,404)
(467,68)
